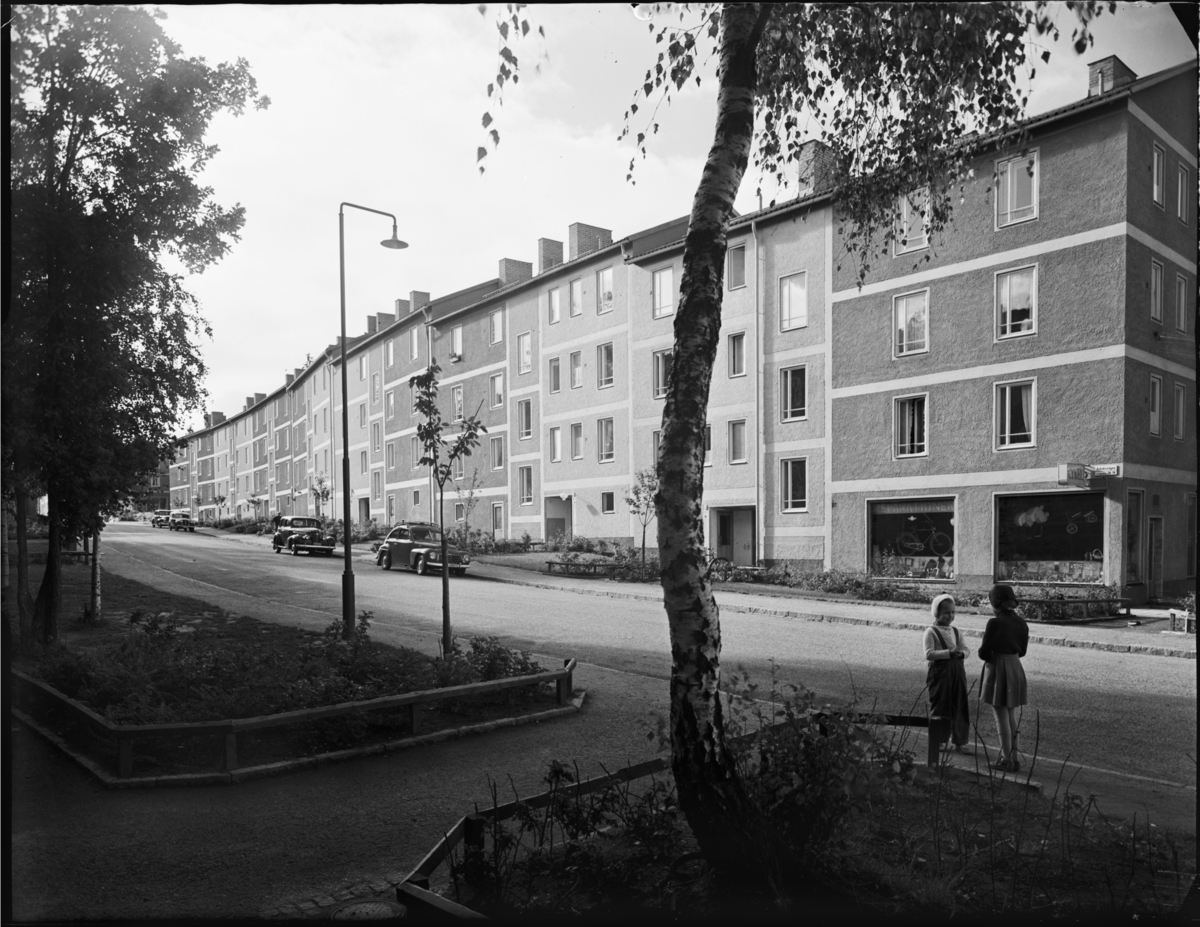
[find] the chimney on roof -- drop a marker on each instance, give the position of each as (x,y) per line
(513,271)
(550,254)
(298,371)
(259,397)
(584,239)
(218,418)
(288,378)
(1108,74)
(371,323)
(817,168)
(401,308)
(249,403)
(385,319)
(416,300)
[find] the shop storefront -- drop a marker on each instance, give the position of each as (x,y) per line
(1050,538)
(912,537)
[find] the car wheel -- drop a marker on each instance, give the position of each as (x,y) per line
(191,529)
(295,550)
(422,568)
(385,559)
(277,548)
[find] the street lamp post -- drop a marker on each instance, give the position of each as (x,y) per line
(348,574)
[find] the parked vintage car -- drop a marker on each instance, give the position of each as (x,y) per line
(161,519)
(181,520)
(418,546)
(302,534)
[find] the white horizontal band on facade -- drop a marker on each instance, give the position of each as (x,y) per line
(589,412)
(948,481)
(452,492)
(522,458)
(1155,245)
(524,390)
(473,372)
(1158,474)
(1116,230)
(659,341)
(784,447)
(603,336)
(525,519)
(1141,115)
(1160,363)
(782,357)
(597,482)
(808,531)
(738,495)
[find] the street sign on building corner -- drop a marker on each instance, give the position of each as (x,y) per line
(1085,476)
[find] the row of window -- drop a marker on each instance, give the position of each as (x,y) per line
(1160,185)
(574,295)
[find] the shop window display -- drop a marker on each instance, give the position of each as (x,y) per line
(1050,538)
(913,538)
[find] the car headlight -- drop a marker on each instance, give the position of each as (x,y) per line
(465,559)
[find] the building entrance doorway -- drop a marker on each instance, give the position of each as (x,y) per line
(558,517)
(733,535)
(364,511)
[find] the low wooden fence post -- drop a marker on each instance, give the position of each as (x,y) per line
(564,685)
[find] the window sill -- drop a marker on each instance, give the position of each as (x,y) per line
(1011,222)
(901,252)
(799,418)
(738,463)
(920,456)
(896,356)
(794,511)
(737,376)
(1014,447)
(793,328)
(1015,335)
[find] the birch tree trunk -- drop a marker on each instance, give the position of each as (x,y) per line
(711,796)
(94,607)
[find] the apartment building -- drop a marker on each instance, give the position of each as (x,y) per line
(1019,406)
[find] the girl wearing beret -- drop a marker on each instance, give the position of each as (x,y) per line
(1005,640)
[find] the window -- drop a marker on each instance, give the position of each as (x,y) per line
(1016,302)
(1133,538)
(735,263)
(460,511)
(911,226)
(415,450)
(388,353)
(457,394)
(362,462)
(496,389)
(376,390)
(912,537)
(391,455)
(525,485)
(1181,195)
(497,519)
(376,441)
(608,503)
(604,365)
(664,292)
(456,347)
(737,442)
(1190,564)
(525,419)
(576,369)
(555,306)
(555,444)
(656,443)
(793,484)
(708,445)
(662,372)
(604,291)
(576,297)
(1156,290)
(793,302)
(376,485)
(459,468)
(416,498)
(910,323)
(1180,303)
(576,441)
(908,426)
(737,354)
(1016,189)
(362,415)
(555,376)
(391,508)
(524,352)
(497,443)
(793,390)
(1180,410)
(1155,405)
(390,405)
(414,345)
(362,367)
(1016,414)
(412,389)
(605,450)
(1160,174)
(496,326)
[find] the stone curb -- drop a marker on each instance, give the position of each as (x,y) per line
(249,773)
(847,619)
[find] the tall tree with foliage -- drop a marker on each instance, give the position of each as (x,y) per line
(904,96)
(107,130)
(441,454)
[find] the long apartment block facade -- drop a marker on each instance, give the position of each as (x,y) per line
(1020,406)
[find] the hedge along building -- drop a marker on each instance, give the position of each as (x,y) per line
(1022,406)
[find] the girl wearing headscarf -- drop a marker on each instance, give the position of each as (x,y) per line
(1005,640)
(946,678)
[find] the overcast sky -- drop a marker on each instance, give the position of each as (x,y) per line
(381,106)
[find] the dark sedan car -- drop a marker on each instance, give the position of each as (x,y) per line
(300,534)
(418,546)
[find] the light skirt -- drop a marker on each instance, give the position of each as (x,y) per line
(1004,681)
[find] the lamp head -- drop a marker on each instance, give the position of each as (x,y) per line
(394,243)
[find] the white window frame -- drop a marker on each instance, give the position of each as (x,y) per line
(785,485)
(458,468)
(785,374)
(606,359)
(389,353)
(414,343)
(575,363)
(460,511)
(362,415)
(612,435)
(1003,165)
(456,342)
(497,507)
(1158,275)
(1158,179)
(997,388)
(896,300)
(1181,194)
(608,502)
(376,437)
(524,352)
(788,323)
(655,443)
(554,375)
(376,486)
(363,465)
(389,404)
(554,306)
(524,419)
(708,454)
(735,345)
(575,297)
(733,427)
(729,267)
(362,368)
(1181,312)
(555,440)
(390,452)
(577,440)
(1180,411)
(416,497)
(496,326)
(1156,395)
(896,403)
(456,397)
(414,446)
(999,335)
(497,449)
(904,208)
(525,485)
(604,306)
(496,390)
(660,364)
(663,278)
